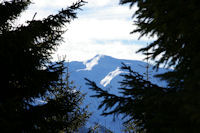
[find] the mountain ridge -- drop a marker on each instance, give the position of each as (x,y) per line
(105,71)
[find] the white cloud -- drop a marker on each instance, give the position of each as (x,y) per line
(101,28)
(104,29)
(52,3)
(99,3)
(86,50)
(43,8)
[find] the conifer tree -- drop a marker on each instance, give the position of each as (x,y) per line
(155,109)
(26,70)
(67,115)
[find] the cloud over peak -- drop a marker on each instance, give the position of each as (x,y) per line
(102,27)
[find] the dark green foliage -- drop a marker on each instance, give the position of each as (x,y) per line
(176,25)
(154,109)
(63,110)
(26,70)
(9,11)
(97,128)
(130,127)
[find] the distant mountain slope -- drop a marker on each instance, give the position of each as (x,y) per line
(105,71)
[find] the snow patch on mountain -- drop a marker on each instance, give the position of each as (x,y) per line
(91,63)
(107,79)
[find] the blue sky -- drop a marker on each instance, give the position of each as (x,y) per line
(102,27)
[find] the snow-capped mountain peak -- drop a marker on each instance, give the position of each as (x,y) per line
(105,70)
(89,64)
